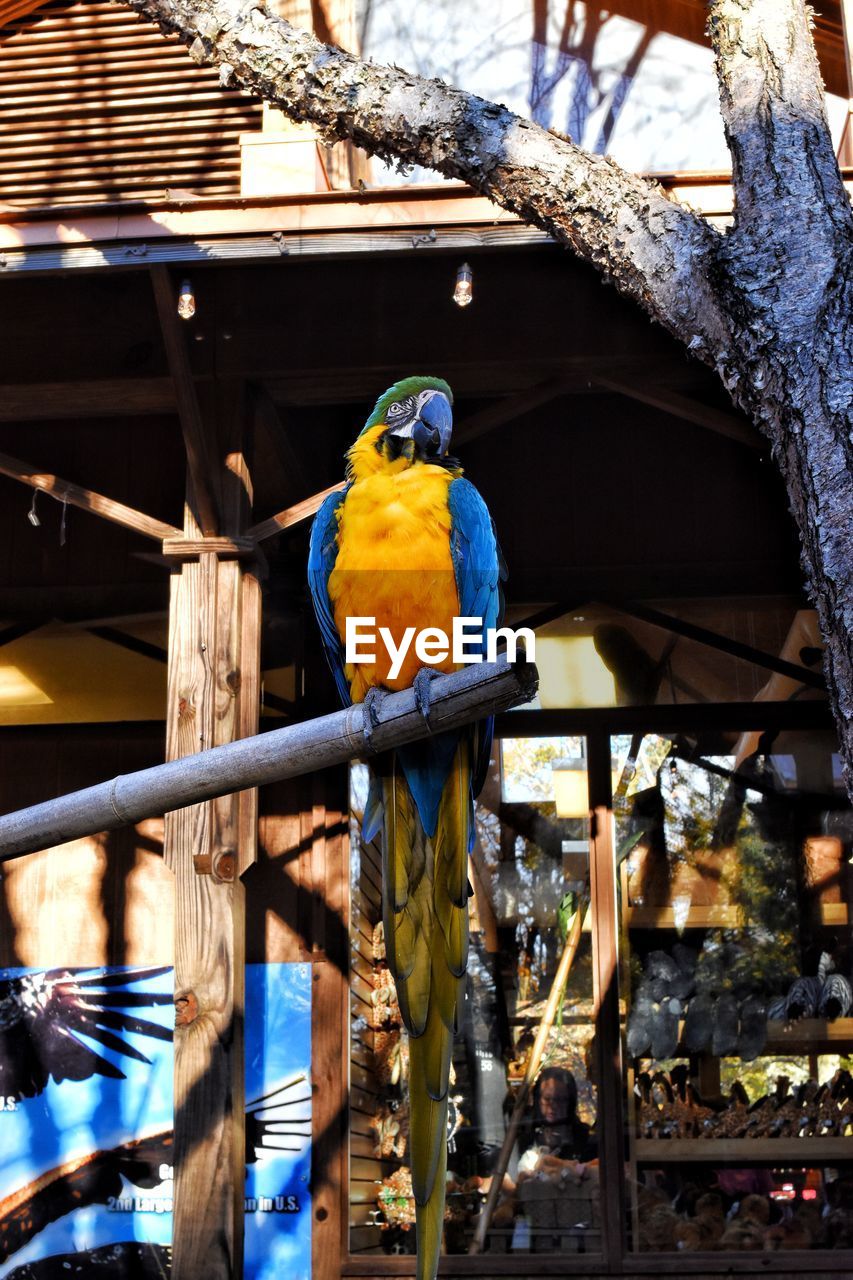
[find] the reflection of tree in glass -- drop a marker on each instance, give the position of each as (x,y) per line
(759,1077)
(593,86)
(693,797)
(528,765)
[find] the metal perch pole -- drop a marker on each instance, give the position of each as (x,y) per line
(476,691)
(560,979)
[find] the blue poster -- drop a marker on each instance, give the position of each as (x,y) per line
(86,1122)
(278,1122)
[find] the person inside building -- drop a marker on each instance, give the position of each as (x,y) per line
(555,1132)
(557,1180)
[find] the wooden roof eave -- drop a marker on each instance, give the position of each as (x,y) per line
(380,219)
(414,212)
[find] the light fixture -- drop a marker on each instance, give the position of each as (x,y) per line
(571,787)
(32,514)
(186,301)
(463,294)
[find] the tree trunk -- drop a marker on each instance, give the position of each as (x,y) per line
(768,305)
(788,264)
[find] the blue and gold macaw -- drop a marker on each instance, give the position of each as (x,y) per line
(410,543)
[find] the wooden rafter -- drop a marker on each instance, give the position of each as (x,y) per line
(685,407)
(192,425)
(16,630)
(273,435)
(86,499)
(99,398)
(496,415)
(143,647)
(291,516)
(714,640)
(478,424)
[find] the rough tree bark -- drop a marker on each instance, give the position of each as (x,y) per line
(769,304)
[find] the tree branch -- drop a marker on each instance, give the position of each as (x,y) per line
(787,277)
(654,250)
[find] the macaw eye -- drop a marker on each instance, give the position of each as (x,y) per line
(400,409)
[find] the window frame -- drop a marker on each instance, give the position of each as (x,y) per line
(597,725)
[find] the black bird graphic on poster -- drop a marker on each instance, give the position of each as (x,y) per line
(44,1015)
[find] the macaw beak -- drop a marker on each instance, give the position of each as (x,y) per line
(434,425)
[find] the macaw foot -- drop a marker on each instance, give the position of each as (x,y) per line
(372,705)
(420,687)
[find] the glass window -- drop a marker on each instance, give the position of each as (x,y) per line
(734,876)
(524,1102)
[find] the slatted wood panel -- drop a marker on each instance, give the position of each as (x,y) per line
(99,106)
(365,1170)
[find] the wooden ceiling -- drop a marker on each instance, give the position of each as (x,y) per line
(607,457)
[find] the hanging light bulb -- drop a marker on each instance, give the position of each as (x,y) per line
(186,301)
(463,294)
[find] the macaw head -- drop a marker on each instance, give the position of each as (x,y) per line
(411,422)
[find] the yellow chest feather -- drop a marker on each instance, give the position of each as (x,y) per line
(394,565)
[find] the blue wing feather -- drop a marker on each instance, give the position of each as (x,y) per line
(477,561)
(322,554)
(480,570)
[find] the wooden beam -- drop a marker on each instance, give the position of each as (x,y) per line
(475,691)
(103,398)
(724,644)
(15,631)
(273,431)
(201,848)
(195,438)
(478,424)
(504,411)
(189,548)
(86,499)
(132,643)
(685,407)
(293,515)
(132,397)
(605,987)
(468,378)
(213,687)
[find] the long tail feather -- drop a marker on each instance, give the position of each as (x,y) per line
(426,938)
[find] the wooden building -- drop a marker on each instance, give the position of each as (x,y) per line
(158,476)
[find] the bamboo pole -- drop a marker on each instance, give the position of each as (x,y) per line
(560,979)
(475,691)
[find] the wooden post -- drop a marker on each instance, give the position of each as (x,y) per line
(213,685)
(611,1124)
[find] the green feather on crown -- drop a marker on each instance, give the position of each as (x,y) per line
(405,387)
